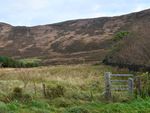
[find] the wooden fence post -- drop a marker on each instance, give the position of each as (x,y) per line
(130,85)
(44,89)
(139,85)
(107,85)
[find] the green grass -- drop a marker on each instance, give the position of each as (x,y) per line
(38,106)
(83,91)
(135,106)
(30,60)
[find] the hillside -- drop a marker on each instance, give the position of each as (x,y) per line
(134,50)
(79,41)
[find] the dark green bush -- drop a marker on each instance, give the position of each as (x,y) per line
(120,35)
(9,62)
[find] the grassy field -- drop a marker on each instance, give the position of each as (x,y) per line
(70,89)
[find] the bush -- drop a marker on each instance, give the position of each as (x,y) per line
(145,78)
(31,65)
(120,35)
(17,92)
(9,62)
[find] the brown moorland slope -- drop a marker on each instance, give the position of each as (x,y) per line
(78,41)
(133,51)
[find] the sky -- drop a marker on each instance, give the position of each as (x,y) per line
(40,12)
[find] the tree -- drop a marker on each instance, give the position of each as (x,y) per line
(120,35)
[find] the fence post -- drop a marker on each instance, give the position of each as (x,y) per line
(130,85)
(107,85)
(44,89)
(139,85)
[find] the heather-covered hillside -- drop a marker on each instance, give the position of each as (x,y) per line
(134,50)
(80,41)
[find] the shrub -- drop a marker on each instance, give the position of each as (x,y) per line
(17,92)
(30,62)
(9,62)
(145,78)
(120,35)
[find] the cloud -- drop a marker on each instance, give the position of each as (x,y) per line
(141,7)
(35,12)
